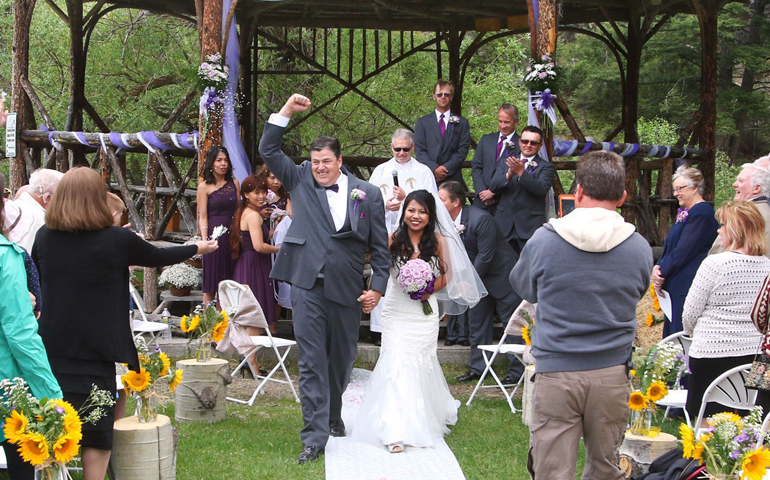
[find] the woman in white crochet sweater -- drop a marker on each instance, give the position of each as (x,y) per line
(718,306)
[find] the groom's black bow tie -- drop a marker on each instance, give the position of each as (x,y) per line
(334,188)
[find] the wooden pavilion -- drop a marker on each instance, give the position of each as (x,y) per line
(387,27)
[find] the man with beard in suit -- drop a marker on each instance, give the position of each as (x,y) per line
(493,260)
(442,139)
(523,184)
(490,151)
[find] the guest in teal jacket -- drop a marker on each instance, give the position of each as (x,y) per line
(22,353)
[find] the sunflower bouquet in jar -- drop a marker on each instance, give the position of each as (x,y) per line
(154,367)
(728,446)
(656,369)
(207,324)
(46,431)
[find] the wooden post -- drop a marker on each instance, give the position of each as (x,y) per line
(707,11)
(453,49)
(20,103)
(150,274)
(202,395)
(634,43)
(77,76)
(211,42)
(144,451)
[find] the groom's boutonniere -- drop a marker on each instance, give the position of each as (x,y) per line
(357,195)
(530,165)
(461,229)
(509,144)
(454,119)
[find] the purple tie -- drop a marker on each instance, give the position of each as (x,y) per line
(441,126)
(334,188)
(500,145)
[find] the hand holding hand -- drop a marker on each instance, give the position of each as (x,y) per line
(369,299)
(295,103)
(206,246)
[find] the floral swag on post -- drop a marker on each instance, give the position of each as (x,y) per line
(212,79)
(541,78)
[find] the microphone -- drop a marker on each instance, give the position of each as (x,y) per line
(395,177)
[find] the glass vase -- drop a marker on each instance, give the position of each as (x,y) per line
(52,471)
(203,351)
(641,423)
(146,408)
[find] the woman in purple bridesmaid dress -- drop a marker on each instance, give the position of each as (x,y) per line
(217,197)
(249,243)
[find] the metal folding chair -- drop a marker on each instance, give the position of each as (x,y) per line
(144,326)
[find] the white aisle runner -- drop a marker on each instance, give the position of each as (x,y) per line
(349,460)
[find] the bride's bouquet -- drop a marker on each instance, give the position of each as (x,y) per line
(416,278)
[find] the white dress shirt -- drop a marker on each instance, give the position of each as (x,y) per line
(446,117)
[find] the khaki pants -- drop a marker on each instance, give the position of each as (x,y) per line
(566,405)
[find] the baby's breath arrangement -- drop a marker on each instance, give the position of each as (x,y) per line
(180,275)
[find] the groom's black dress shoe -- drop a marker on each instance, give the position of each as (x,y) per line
(468,377)
(449,343)
(511,380)
(337,429)
(309,454)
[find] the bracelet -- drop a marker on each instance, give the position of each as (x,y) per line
(201,228)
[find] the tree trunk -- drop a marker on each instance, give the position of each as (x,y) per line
(707,11)
(20,103)
(77,76)
(211,42)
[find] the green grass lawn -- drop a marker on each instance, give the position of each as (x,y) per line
(262,442)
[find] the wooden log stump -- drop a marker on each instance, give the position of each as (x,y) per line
(144,451)
(201,397)
(637,451)
(526,396)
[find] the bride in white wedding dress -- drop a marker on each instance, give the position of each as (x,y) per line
(407,400)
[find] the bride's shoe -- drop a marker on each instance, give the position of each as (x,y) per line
(397,447)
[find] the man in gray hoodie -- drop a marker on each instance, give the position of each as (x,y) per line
(586,272)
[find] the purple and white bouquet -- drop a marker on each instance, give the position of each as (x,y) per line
(213,73)
(278,214)
(541,74)
(416,279)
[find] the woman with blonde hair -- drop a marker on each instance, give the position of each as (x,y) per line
(717,311)
(83,261)
(687,243)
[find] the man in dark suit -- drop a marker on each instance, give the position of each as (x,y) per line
(490,151)
(493,260)
(442,139)
(523,185)
(336,218)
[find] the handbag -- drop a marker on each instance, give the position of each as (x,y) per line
(759,376)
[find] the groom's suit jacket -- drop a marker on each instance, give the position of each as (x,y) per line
(522,207)
(313,245)
(485,163)
(433,151)
(492,256)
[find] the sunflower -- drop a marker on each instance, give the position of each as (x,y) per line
(65,448)
(657,391)
(650,319)
(637,401)
(33,448)
(225,316)
(68,408)
(73,426)
(15,426)
(194,321)
(166,364)
(688,440)
(525,335)
(715,420)
(655,301)
(183,324)
(219,331)
(755,464)
(632,372)
(136,381)
(697,452)
(176,381)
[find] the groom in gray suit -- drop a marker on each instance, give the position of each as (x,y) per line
(336,218)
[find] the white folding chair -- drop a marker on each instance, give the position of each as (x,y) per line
(677,398)
(490,352)
(728,389)
(140,327)
(231,294)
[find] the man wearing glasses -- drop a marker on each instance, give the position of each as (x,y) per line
(442,139)
(523,184)
(395,179)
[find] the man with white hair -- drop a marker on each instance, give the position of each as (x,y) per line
(752,183)
(31,206)
(396,178)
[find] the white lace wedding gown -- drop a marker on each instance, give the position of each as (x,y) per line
(407,398)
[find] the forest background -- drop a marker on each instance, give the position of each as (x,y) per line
(140,65)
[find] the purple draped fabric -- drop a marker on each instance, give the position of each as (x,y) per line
(231,136)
